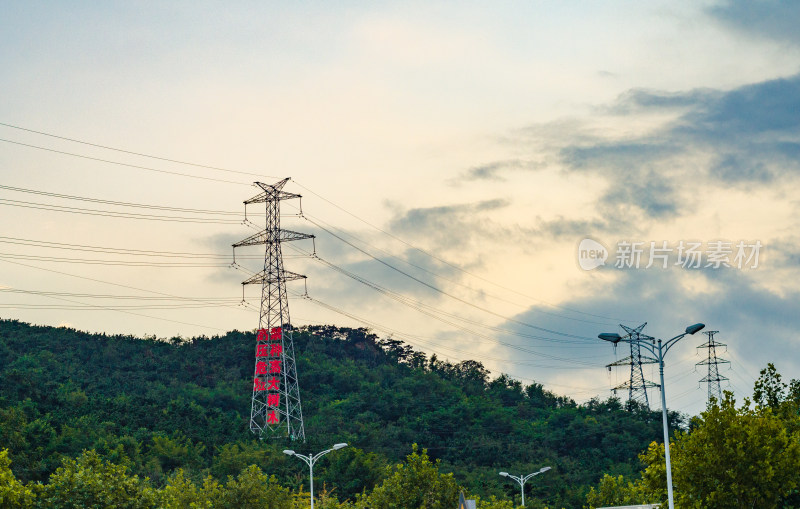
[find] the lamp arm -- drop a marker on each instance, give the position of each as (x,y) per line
(308,460)
(670,343)
(647,346)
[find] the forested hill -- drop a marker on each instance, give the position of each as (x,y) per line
(157,405)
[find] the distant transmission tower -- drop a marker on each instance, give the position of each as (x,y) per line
(637,385)
(275,409)
(713,378)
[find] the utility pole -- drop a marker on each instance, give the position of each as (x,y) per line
(659,349)
(637,385)
(275,408)
(713,378)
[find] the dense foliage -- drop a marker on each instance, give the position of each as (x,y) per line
(733,457)
(175,412)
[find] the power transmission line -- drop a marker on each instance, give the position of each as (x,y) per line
(114,250)
(111,213)
(317,221)
(106,147)
(118,163)
(450,295)
(118,203)
(141,154)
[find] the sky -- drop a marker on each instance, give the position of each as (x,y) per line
(452,158)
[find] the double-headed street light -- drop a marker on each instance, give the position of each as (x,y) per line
(659,350)
(310,460)
(522,480)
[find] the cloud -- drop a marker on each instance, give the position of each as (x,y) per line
(784,253)
(449,227)
(743,137)
(639,99)
(562,228)
(749,126)
(766,107)
(495,170)
(769,19)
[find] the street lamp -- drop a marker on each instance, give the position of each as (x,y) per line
(522,480)
(659,350)
(310,460)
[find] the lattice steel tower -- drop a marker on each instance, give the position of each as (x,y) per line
(275,409)
(713,378)
(637,385)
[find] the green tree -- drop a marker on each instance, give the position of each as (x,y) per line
(416,484)
(615,491)
(352,471)
(180,493)
(769,390)
(231,459)
(92,482)
(737,458)
(492,503)
(732,457)
(13,493)
(253,489)
(168,453)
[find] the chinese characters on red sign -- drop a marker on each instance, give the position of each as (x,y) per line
(269,366)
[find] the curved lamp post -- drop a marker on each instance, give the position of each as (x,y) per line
(659,350)
(522,480)
(310,460)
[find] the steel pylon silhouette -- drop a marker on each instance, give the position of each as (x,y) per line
(275,410)
(713,378)
(637,385)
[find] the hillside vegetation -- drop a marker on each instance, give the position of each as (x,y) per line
(180,407)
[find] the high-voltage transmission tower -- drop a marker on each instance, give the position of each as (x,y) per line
(275,409)
(637,385)
(713,378)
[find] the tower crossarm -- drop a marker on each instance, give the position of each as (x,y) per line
(263,237)
(264,277)
(271,193)
(713,343)
(627,385)
(716,360)
(718,378)
(268,196)
(625,361)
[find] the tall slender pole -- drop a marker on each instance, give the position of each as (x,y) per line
(311,473)
(666,426)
